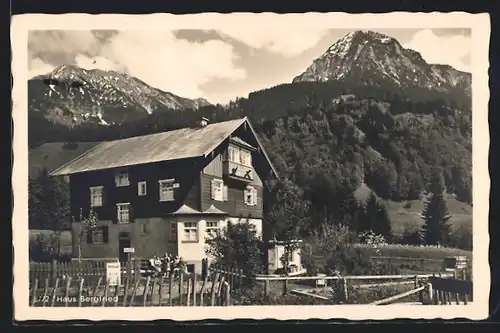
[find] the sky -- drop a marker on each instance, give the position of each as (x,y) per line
(220,65)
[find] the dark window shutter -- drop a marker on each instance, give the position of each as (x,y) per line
(89,236)
(105,234)
(103,193)
(130,213)
(114,213)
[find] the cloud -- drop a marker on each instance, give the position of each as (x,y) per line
(103,63)
(156,57)
(447,49)
(62,41)
(37,66)
(285,41)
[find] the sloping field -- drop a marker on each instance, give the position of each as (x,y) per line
(54,154)
(405,215)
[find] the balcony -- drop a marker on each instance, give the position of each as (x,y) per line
(238,171)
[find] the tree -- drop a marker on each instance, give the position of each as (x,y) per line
(436,230)
(375,218)
(48,202)
(48,206)
(237,243)
(383,222)
(88,224)
(287,215)
(368,217)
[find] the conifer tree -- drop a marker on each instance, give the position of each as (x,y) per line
(368,219)
(375,218)
(436,230)
(383,222)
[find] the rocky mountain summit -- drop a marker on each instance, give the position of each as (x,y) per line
(71,95)
(376,59)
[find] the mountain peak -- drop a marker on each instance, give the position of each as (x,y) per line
(70,95)
(371,57)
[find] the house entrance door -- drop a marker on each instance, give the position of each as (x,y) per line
(123,242)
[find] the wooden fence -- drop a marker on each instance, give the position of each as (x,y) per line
(443,291)
(90,270)
(343,280)
(234,274)
(188,290)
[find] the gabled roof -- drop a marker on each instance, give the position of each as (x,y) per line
(186,210)
(212,210)
(166,146)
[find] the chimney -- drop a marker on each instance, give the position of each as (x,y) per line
(203,122)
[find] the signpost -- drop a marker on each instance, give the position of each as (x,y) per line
(454,264)
(113,273)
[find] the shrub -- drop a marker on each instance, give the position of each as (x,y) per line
(45,248)
(237,244)
(370,238)
(413,237)
(341,256)
(462,237)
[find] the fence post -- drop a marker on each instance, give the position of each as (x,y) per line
(421,293)
(188,292)
(53,272)
(181,286)
(194,289)
(266,288)
(227,300)
(241,277)
(285,287)
(129,266)
(137,269)
(430,292)
(232,271)
(344,289)
(212,294)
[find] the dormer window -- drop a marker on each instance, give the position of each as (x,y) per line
(166,189)
(245,158)
(234,154)
(121,179)
(239,155)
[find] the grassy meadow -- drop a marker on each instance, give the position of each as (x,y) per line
(405,215)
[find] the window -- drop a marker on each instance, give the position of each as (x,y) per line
(144,228)
(212,228)
(250,196)
(98,235)
(239,155)
(96,196)
(141,188)
(173,230)
(123,212)
(166,190)
(218,189)
(245,158)
(233,154)
(191,231)
(121,179)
